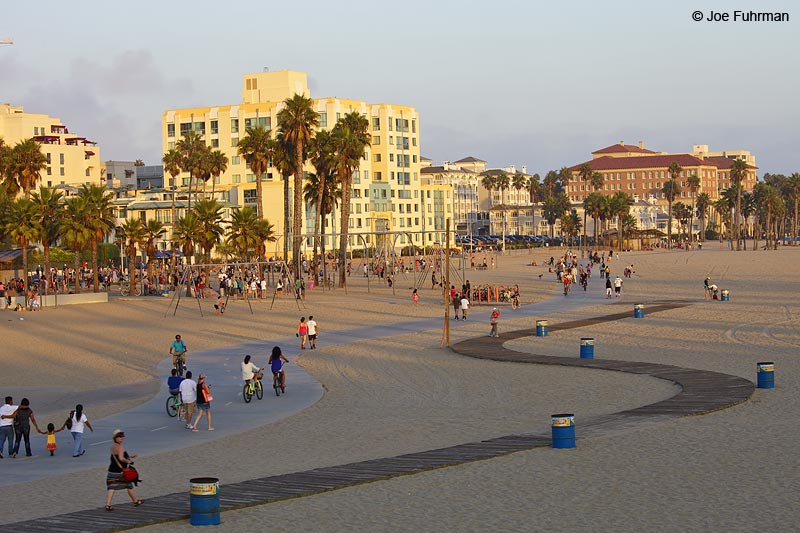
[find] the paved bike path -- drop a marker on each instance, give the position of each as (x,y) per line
(149,430)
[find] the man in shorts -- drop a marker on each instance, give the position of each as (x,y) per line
(313,331)
(617,286)
(188,394)
(178,351)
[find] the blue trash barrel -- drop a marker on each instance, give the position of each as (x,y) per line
(541,328)
(725,295)
(204,501)
(587,348)
(638,311)
(563,431)
(766,375)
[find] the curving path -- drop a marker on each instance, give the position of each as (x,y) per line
(702,392)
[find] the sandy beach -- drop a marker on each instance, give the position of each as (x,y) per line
(731,470)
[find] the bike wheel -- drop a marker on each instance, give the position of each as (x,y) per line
(137,291)
(172,409)
(259,390)
(247,394)
(123,291)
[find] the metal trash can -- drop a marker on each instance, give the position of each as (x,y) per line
(766,375)
(587,348)
(563,431)
(541,328)
(638,311)
(204,501)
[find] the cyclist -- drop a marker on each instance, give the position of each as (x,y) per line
(250,371)
(276,361)
(174,382)
(178,352)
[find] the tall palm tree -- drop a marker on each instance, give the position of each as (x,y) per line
(564,177)
(331,195)
(570,224)
(322,153)
(131,233)
(209,216)
(519,181)
(50,210)
(793,188)
(693,183)
(593,204)
(5,163)
(297,122)
(75,232)
(217,165)
(192,148)
(550,184)
(702,205)
(738,174)
(23,227)
(256,147)
(554,208)
(585,173)
(535,195)
(724,207)
(242,233)
(351,137)
(670,190)
(283,162)
(187,234)
(489,182)
(154,231)
(172,166)
(620,207)
(101,221)
(26,163)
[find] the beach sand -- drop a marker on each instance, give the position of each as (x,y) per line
(732,470)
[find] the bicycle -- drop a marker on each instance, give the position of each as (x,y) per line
(180,364)
(175,406)
(253,388)
(515,301)
(278,383)
(125,290)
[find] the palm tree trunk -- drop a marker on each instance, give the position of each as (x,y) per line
(736,221)
(345,217)
(756,224)
(95,274)
(189,205)
(319,215)
(25,271)
(297,222)
(76,257)
(46,246)
(669,226)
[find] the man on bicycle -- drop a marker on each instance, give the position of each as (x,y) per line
(250,371)
(276,361)
(178,352)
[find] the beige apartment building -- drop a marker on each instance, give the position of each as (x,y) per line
(387,190)
(71,158)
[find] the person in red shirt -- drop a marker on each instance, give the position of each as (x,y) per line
(493,321)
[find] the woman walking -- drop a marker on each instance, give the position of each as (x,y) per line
(115,480)
(302,332)
(22,427)
(204,399)
(75,424)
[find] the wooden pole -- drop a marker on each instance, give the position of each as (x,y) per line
(446,282)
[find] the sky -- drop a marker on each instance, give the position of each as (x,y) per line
(533,83)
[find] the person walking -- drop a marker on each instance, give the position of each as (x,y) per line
(313,331)
(7,412)
(22,427)
(415,297)
(115,479)
(52,446)
(75,423)
(204,400)
(188,393)
(456,303)
(302,332)
(617,286)
(493,321)
(464,307)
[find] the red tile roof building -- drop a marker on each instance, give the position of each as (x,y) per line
(641,173)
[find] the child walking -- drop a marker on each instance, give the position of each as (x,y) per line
(415,297)
(51,438)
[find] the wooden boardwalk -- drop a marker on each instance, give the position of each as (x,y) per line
(702,392)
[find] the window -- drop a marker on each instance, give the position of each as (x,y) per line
(234,125)
(200,127)
(402,143)
(376,124)
(170,130)
(378,176)
(49,171)
(234,142)
(264,122)
(251,178)
(323,119)
(414,128)
(47,156)
(366,174)
(338,116)
(401,124)
(214,127)
(376,140)
(186,127)
(376,158)
(391,157)
(413,141)
(88,173)
(214,143)
(235,160)
(61,171)
(250,196)
(236,178)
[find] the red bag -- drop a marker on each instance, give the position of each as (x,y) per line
(130,474)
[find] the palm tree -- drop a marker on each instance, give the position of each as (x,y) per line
(100,222)
(5,164)
(793,188)
(702,204)
(554,208)
(26,163)
(297,122)
(605,214)
(629,224)
(242,232)
(283,161)
(187,233)
(564,177)
(172,166)
(351,138)
(217,165)
(670,190)
(535,195)
(550,184)
(131,233)
(682,214)
(620,207)
(593,204)
(192,149)
(154,230)
(724,207)
(266,233)
(585,174)
(75,231)
(738,174)
(256,147)
(519,181)
(209,216)
(693,182)
(322,158)
(23,227)
(331,195)
(570,224)
(48,203)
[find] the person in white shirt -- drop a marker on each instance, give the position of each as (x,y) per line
(7,412)
(188,393)
(617,286)
(464,307)
(79,420)
(313,331)
(250,371)
(264,288)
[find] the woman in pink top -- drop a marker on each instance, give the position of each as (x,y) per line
(302,332)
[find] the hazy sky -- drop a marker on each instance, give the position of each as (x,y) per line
(530,83)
